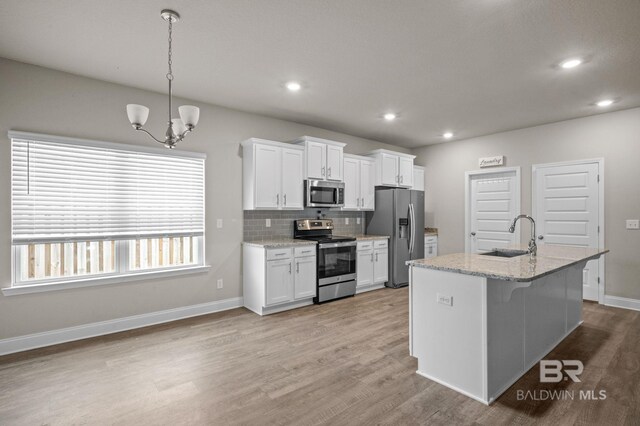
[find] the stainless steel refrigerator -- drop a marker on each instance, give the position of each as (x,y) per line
(399,214)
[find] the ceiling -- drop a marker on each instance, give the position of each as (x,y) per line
(473,67)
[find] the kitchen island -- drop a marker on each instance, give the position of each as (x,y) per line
(479,322)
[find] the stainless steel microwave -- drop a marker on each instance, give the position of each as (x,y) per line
(322,193)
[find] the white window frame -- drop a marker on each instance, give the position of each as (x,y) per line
(123,272)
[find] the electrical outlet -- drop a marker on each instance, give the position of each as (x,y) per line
(444,299)
(267,223)
(633,224)
(346,220)
(219,223)
(220,284)
(357,221)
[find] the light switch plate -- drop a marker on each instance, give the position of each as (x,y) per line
(220,283)
(267,223)
(219,223)
(633,224)
(444,299)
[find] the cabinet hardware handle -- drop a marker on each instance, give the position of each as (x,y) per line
(372,257)
(285,199)
(376,256)
(329,172)
(473,234)
(541,237)
(401,179)
(289,267)
(322,173)
(398,178)
(280,254)
(277,199)
(358,202)
(297,267)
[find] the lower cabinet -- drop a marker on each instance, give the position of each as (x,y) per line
(372,263)
(276,279)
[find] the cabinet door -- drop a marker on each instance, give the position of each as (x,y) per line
(316,160)
(305,277)
(364,267)
(267,176)
(351,184)
(279,281)
(389,172)
(406,171)
(334,162)
(292,179)
(367,185)
(381,266)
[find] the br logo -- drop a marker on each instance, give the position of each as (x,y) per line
(554,371)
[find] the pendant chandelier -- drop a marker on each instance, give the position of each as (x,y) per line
(177,128)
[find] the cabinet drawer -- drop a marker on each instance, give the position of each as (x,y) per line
(381,243)
(279,254)
(365,245)
(304,251)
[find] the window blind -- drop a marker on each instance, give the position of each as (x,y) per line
(72,190)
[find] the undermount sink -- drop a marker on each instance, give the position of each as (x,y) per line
(505,253)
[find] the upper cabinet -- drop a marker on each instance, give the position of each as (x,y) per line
(359,177)
(323,158)
(393,168)
(418,178)
(272,175)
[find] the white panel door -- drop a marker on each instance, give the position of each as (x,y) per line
(364,267)
(381,266)
(267,176)
(292,179)
(493,206)
(316,160)
(406,171)
(279,281)
(334,162)
(566,212)
(305,277)
(389,172)
(367,185)
(351,184)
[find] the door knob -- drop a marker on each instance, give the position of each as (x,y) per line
(473,234)
(541,237)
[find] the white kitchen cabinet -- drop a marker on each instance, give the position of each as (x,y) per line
(359,189)
(272,175)
(323,158)
(393,168)
(418,178)
(305,277)
(277,279)
(372,264)
(279,287)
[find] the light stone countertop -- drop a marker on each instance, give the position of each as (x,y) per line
(521,268)
(279,243)
(363,237)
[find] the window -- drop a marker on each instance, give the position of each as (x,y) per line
(87,209)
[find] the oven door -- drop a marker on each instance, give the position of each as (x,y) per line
(336,262)
(320,193)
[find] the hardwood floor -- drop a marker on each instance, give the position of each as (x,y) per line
(342,363)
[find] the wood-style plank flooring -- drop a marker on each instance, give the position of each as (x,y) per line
(341,363)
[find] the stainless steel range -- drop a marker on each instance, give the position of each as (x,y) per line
(336,258)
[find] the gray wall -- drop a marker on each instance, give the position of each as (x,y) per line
(40,100)
(614,136)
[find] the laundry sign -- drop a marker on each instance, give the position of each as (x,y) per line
(497,160)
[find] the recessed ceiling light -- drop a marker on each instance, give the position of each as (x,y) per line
(604,103)
(293,86)
(447,135)
(571,63)
(389,116)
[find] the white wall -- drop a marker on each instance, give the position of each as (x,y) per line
(40,100)
(614,136)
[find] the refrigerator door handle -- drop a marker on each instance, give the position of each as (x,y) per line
(411,231)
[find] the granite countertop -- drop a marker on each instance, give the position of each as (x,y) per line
(521,268)
(279,243)
(367,237)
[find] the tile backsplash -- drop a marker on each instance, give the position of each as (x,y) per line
(282,222)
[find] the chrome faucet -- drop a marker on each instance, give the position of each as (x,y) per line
(533,248)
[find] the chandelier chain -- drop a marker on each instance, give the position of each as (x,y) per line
(170,73)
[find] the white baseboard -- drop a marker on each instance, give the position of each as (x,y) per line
(54,337)
(622,302)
